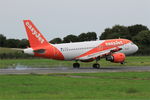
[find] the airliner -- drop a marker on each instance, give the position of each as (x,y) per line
(113,50)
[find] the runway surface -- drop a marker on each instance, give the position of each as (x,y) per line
(72,70)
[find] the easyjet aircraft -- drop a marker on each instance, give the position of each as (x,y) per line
(114,50)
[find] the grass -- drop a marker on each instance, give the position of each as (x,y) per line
(7,50)
(130,61)
(93,86)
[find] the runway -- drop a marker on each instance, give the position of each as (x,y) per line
(72,70)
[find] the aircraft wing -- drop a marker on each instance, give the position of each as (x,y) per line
(99,54)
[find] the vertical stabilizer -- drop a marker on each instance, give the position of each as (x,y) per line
(36,39)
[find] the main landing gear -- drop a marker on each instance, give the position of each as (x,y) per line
(76,65)
(95,66)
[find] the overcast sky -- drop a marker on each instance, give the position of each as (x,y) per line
(58,18)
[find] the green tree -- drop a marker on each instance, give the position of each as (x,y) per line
(70,38)
(135,29)
(56,41)
(12,43)
(116,31)
(83,37)
(87,36)
(143,38)
(143,41)
(2,40)
(91,36)
(24,43)
(105,34)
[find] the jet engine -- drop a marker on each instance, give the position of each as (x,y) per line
(116,57)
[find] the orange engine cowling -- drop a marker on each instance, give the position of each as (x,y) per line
(116,57)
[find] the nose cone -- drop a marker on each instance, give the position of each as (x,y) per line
(136,48)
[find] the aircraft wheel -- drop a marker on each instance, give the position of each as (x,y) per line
(76,65)
(122,63)
(96,66)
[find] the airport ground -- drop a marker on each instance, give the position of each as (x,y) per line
(76,86)
(105,84)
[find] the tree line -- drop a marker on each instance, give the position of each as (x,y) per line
(138,33)
(24,43)
(13,43)
(89,36)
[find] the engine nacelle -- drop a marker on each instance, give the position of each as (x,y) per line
(116,58)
